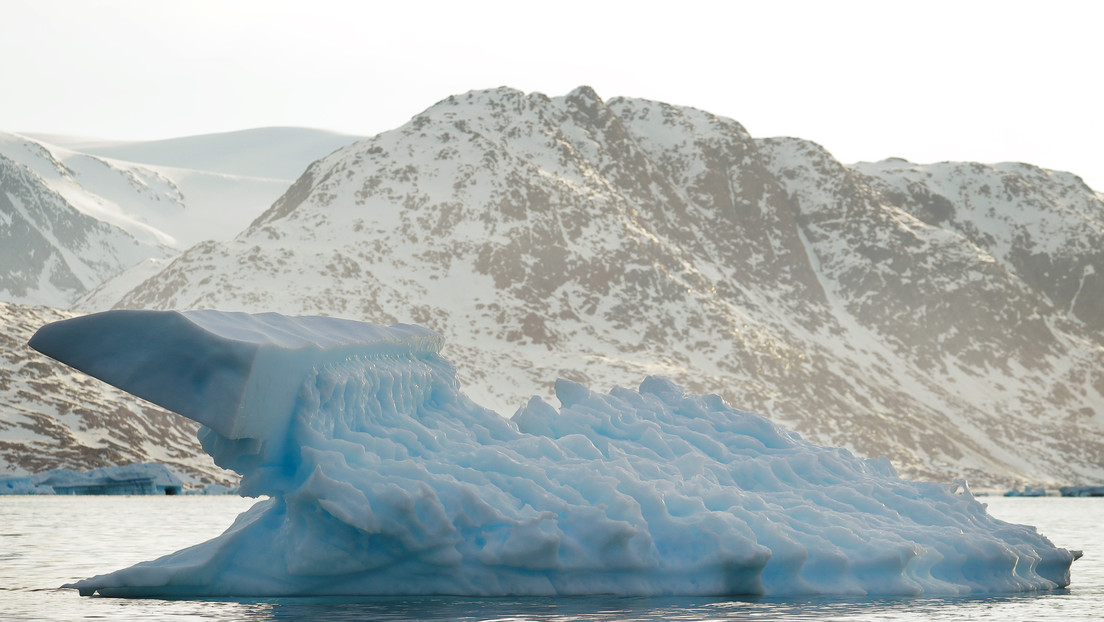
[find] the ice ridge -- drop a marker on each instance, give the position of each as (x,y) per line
(385,479)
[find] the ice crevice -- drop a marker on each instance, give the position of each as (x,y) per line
(383,478)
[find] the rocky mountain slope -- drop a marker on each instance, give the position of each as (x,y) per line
(80,224)
(50,251)
(52,416)
(1043,226)
(948,316)
(166,195)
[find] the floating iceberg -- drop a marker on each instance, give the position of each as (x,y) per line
(142,478)
(385,479)
(22,485)
(1082,491)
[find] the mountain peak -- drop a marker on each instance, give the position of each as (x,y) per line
(584,93)
(586,100)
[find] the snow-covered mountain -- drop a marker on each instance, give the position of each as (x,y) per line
(1046,227)
(259,153)
(78,229)
(51,251)
(52,416)
(167,195)
(948,316)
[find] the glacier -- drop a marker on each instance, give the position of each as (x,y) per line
(383,478)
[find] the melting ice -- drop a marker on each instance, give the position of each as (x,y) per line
(384,478)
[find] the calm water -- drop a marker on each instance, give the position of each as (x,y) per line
(48,541)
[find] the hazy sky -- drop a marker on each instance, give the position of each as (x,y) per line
(928,81)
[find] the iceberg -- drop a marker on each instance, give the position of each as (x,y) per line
(1081,491)
(21,485)
(141,478)
(383,478)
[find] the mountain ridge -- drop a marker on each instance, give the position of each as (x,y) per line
(606,241)
(164,208)
(275,152)
(51,250)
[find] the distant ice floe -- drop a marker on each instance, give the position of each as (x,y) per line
(384,479)
(1082,491)
(146,478)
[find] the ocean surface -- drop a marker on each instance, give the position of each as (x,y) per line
(47,541)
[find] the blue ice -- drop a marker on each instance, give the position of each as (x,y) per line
(383,478)
(149,478)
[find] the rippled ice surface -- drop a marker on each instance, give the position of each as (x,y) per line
(47,541)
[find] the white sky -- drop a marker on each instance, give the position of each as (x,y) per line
(928,81)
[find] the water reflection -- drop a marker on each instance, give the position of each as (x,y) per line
(1003,607)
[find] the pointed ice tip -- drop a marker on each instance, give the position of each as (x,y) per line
(235,373)
(535,417)
(82,589)
(661,387)
(154,354)
(570,393)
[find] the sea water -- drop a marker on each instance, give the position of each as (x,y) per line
(47,541)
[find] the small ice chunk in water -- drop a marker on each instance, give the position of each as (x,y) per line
(384,479)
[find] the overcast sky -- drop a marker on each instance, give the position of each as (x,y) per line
(927,81)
